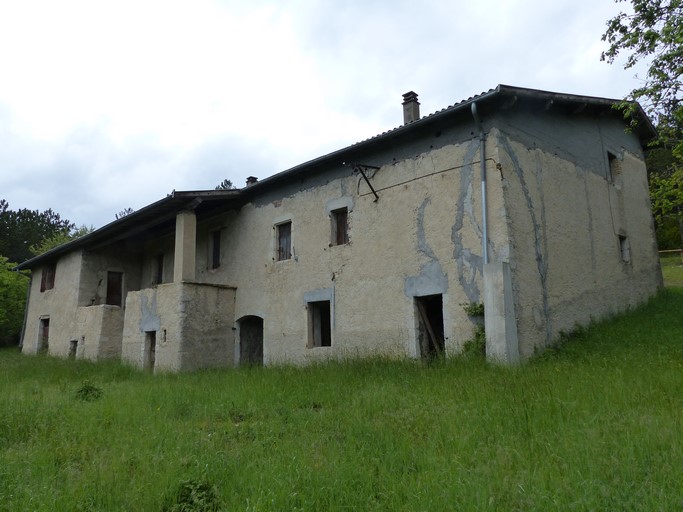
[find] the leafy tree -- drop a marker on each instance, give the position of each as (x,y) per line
(125,212)
(22,229)
(653,33)
(666,195)
(59,239)
(13,287)
(226,185)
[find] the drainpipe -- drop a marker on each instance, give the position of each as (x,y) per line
(482,155)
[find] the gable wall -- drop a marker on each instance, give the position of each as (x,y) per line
(57,304)
(565,217)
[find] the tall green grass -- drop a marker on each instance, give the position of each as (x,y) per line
(595,424)
(672,269)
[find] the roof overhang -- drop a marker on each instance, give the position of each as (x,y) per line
(202,202)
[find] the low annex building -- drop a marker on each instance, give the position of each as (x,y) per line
(532,203)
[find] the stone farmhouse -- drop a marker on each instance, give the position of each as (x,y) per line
(532,203)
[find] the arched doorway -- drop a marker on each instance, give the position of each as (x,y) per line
(251,341)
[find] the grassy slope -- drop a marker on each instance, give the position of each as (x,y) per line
(594,425)
(672,270)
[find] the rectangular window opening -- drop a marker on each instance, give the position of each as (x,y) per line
(283,235)
(614,166)
(159,270)
(319,324)
(216,249)
(47,279)
(115,288)
(624,249)
(340,226)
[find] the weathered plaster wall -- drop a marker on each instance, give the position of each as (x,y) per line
(93,281)
(565,218)
(192,325)
(96,330)
(100,332)
(153,310)
(207,316)
(58,304)
(422,237)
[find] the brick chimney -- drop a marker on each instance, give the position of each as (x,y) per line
(411,107)
(251,180)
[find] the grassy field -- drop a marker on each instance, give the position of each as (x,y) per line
(672,269)
(596,424)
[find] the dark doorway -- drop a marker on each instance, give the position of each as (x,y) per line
(251,341)
(430,334)
(149,357)
(319,322)
(44,335)
(73,347)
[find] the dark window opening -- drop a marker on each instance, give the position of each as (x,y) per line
(614,167)
(47,279)
(150,350)
(44,335)
(340,226)
(216,249)
(319,324)
(430,332)
(159,270)
(624,249)
(284,241)
(115,288)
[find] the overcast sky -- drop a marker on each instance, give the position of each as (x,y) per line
(106,105)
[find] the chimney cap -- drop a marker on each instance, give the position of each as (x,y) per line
(411,107)
(409,97)
(251,180)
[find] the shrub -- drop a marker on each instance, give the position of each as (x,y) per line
(194,496)
(88,392)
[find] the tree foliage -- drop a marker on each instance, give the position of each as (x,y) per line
(225,185)
(60,238)
(653,33)
(13,287)
(22,229)
(666,194)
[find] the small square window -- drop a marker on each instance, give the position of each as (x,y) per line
(340,226)
(283,241)
(47,279)
(319,324)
